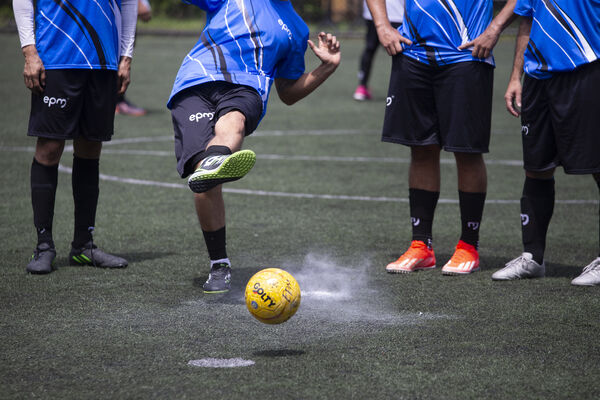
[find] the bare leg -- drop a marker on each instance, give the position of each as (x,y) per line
(472,175)
(424,171)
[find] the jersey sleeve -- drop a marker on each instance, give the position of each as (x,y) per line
(292,66)
(206,5)
(524,8)
(23,10)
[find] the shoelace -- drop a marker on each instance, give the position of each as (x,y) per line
(595,265)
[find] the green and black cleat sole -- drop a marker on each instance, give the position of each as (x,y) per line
(233,168)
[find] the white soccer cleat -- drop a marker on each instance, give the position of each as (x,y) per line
(522,267)
(590,275)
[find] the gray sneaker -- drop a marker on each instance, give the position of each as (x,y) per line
(520,268)
(90,254)
(590,275)
(219,279)
(42,260)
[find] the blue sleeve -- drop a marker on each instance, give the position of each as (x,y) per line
(207,5)
(292,66)
(524,8)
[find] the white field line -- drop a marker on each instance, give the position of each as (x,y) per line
(132,181)
(164,153)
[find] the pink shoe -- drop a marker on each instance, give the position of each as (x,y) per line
(362,93)
(126,108)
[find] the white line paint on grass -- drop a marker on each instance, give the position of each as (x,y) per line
(221,363)
(143,182)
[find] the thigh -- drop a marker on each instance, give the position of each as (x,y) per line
(537,132)
(410,115)
(463,98)
(56,112)
(100,100)
(231,97)
(193,123)
(576,118)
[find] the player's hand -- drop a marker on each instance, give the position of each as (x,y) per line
(144,10)
(391,39)
(327,50)
(483,44)
(123,75)
(513,97)
(34,72)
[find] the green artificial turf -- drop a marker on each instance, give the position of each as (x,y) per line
(360,333)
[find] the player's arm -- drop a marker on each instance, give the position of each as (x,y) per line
(483,44)
(34,73)
(129,10)
(328,51)
(512,97)
(389,37)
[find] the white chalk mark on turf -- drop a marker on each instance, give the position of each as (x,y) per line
(221,363)
(143,182)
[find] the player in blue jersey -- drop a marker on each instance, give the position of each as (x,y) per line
(220,95)
(558,46)
(440,97)
(77,57)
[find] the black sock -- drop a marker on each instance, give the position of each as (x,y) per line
(537,206)
(215,244)
(44,180)
(210,151)
(422,208)
(471,211)
(85,181)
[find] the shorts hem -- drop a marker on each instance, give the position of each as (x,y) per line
(67,137)
(407,142)
(465,150)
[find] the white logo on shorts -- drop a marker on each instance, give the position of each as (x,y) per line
(525,129)
(198,116)
(524,219)
(51,101)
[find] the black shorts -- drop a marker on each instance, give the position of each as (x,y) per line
(450,106)
(75,103)
(561,121)
(195,111)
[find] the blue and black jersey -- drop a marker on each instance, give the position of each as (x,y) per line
(246,42)
(438,27)
(565,34)
(80,34)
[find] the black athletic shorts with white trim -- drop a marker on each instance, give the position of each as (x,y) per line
(75,103)
(449,105)
(196,110)
(560,121)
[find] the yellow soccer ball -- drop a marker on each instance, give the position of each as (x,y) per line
(272,296)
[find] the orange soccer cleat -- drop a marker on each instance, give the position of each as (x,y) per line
(417,257)
(465,260)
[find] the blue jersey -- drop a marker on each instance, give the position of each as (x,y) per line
(78,33)
(247,42)
(565,34)
(438,27)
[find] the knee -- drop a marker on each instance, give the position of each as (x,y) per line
(470,160)
(48,151)
(540,174)
(87,149)
(424,154)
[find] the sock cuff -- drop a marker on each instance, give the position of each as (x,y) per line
(220,261)
(49,168)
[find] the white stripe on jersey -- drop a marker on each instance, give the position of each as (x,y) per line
(583,44)
(199,62)
(101,9)
(233,37)
(458,21)
(242,7)
(70,38)
(434,20)
(555,42)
